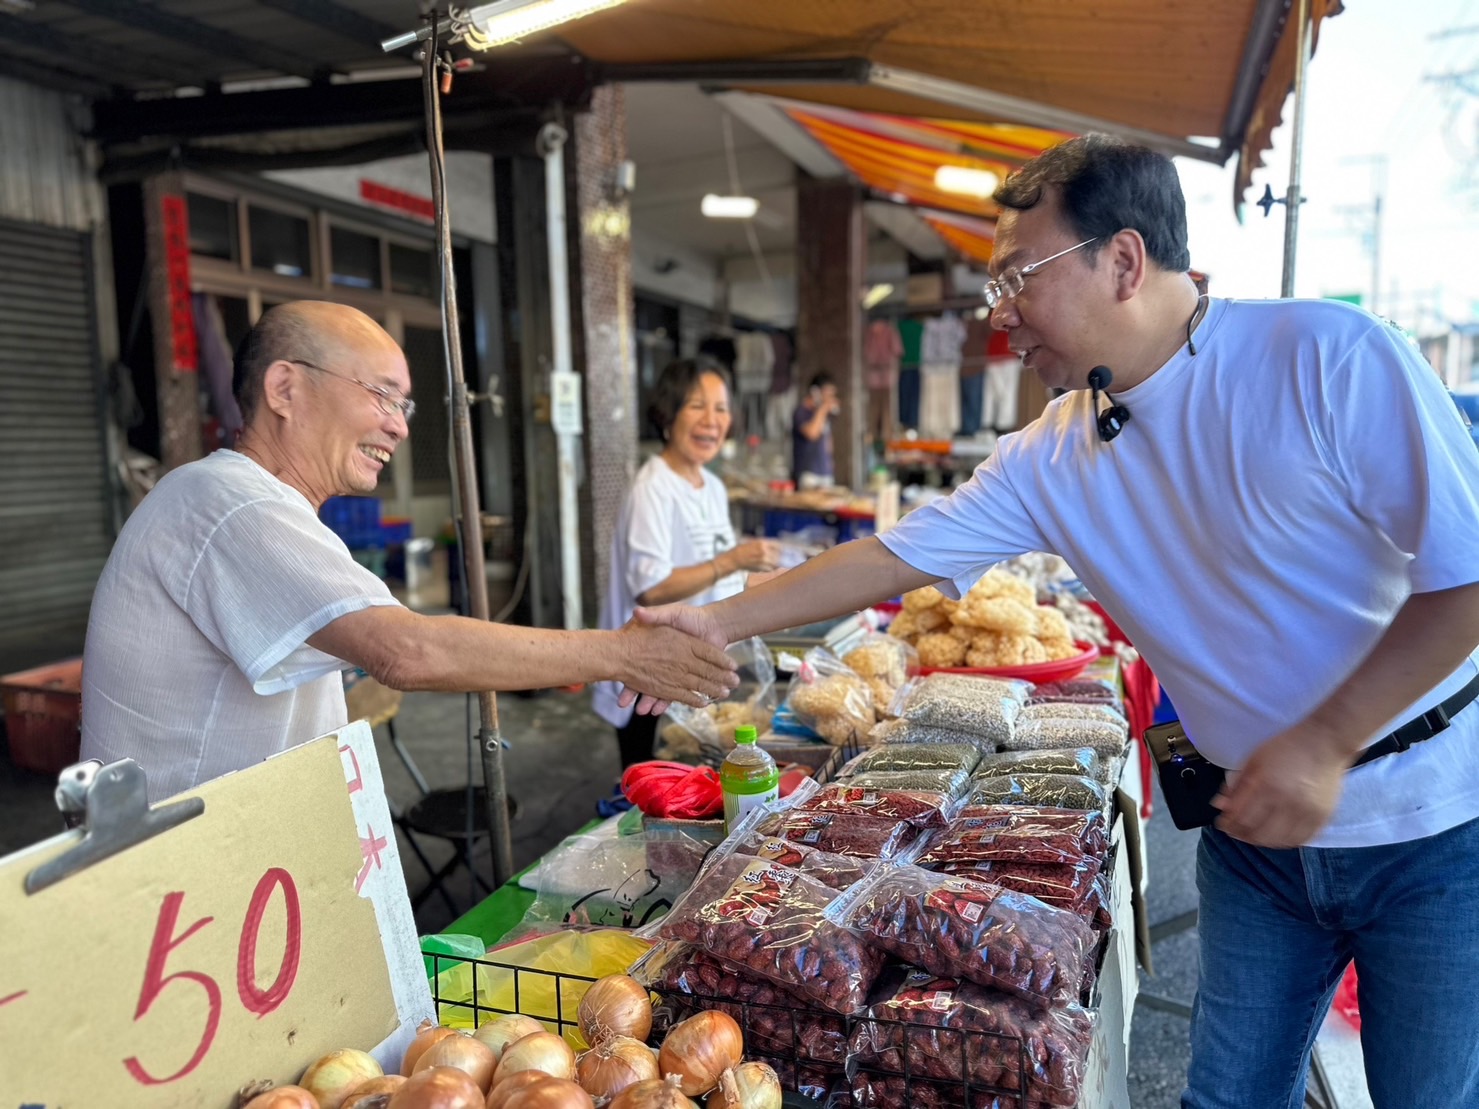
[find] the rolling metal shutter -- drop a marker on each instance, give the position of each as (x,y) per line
(54,491)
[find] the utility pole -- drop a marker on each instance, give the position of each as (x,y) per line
(1370,218)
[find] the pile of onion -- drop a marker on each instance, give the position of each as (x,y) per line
(438,1088)
(461,1052)
(532,1089)
(338,1074)
(375,1093)
(700,1049)
(615,1063)
(541,1051)
(656,1093)
(283,1097)
(616,1005)
(427,1034)
(747,1086)
(502,1031)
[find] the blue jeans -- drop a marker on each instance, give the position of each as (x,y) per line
(909,397)
(972,402)
(1277,929)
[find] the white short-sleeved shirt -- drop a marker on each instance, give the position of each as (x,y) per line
(665,524)
(1270,505)
(196,661)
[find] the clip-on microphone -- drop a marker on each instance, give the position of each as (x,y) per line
(1111,421)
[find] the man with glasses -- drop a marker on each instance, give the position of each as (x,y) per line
(227,610)
(1283,513)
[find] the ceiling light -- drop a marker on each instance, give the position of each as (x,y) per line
(963,181)
(729,207)
(512,20)
(876,295)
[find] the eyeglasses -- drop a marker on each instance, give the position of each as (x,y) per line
(1011,280)
(390,404)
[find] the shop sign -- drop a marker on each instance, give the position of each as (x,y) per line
(565,408)
(176,226)
(240,945)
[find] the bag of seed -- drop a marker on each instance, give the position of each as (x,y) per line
(979,706)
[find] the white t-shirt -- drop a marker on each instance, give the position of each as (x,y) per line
(196,662)
(665,524)
(1270,505)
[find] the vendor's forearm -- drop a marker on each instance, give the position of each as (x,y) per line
(455,654)
(1431,636)
(687,581)
(841,581)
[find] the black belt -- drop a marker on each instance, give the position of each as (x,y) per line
(1421,727)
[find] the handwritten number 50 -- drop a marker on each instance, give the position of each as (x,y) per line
(253,999)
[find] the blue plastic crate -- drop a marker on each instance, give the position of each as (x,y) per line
(396,534)
(356,520)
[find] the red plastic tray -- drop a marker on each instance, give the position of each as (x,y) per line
(1059,670)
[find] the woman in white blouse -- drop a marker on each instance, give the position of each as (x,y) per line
(674,540)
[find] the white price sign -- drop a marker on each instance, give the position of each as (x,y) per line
(565,406)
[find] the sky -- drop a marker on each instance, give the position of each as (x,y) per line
(1369,98)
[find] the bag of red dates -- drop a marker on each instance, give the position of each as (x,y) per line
(769,920)
(957,1032)
(773,1018)
(960,928)
(1019,833)
(864,837)
(926,808)
(1069,886)
(838,872)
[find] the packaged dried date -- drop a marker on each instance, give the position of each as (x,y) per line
(1069,886)
(956,1032)
(845,833)
(959,928)
(928,809)
(1082,691)
(1019,833)
(834,871)
(768,920)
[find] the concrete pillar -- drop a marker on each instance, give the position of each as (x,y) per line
(167,228)
(603,321)
(831,253)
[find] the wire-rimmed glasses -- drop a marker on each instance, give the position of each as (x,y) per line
(390,404)
(1011,280)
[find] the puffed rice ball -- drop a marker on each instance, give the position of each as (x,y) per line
(1051,624)
(1001,614)
(940,649)
(930,619)
(904,626)
(919,599)
(1060,648)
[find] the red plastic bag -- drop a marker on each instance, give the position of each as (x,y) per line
(1345,998)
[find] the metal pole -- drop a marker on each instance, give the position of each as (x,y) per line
(1296,139)
(564,383)
(490,741)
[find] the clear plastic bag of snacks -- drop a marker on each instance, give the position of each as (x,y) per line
(1071,760)
(959,928)
(1083,690)
(884,663)
(948,1030)
(1033,833)
(926,808)
(845,833)
(979,706)
(837,872)
(832,700)
(769,920)
(917,756)
(1049,791)
(900,733)
(1062,885)
(1050,735)
(773,1018)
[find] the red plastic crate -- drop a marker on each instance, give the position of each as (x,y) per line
(43,715)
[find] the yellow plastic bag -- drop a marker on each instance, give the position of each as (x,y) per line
(525,981)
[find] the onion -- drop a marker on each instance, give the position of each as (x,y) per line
(383,1086)
(463,1052)
(429,1033)
(369,1101)
(542,1051)
(657,1093)
(616,1005)
(283,1097)
(332,1078)
(614,1064)
(552,1093)
(438,1088)
(499,1033)
(700,1049)
(747,1086)
(506,1088)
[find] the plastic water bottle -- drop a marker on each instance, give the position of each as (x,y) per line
(748,777)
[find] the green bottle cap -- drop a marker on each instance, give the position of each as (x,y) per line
(745,733)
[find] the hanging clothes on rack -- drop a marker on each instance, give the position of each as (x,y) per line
(911,335)
(882,349)
(1003,378)
(939,388)
(973,374)
(754,362)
